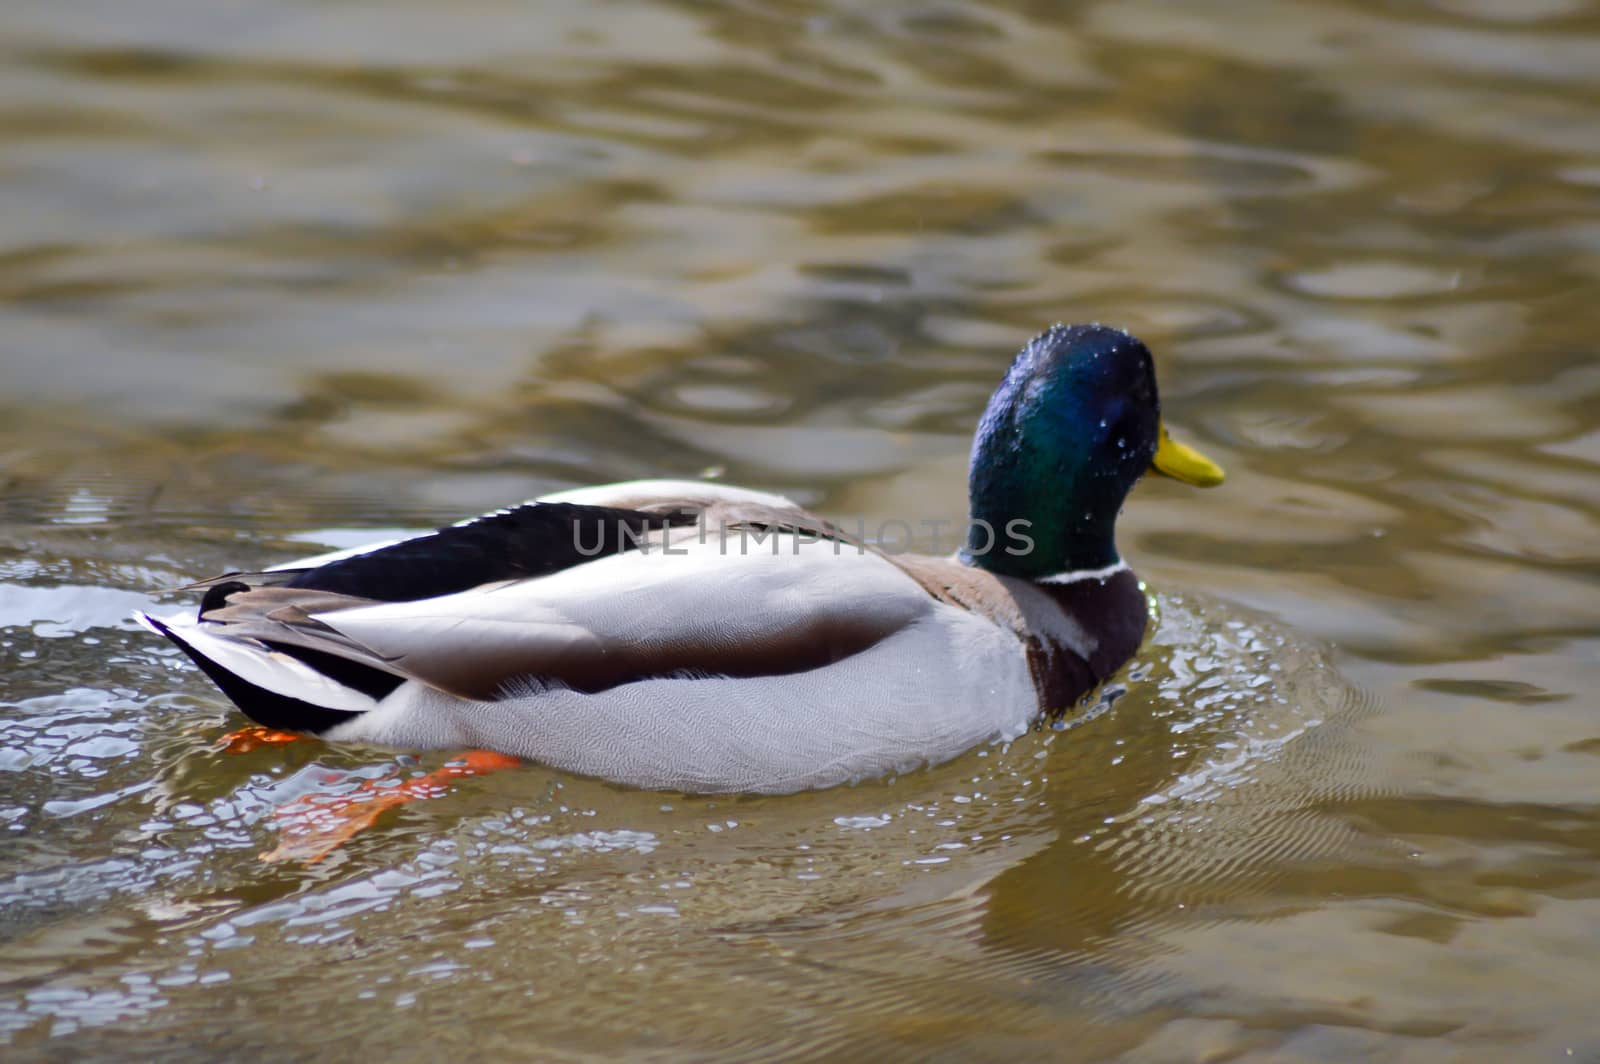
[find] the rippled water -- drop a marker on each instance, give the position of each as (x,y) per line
(276,275)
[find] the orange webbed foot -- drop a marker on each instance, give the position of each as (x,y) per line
(254,737)
(314,825)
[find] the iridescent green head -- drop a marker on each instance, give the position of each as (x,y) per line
(1071,429)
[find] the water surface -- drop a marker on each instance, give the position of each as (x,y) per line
(279,275)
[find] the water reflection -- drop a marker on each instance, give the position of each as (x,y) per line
(948,863)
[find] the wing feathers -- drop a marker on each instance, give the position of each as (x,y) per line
(520,596)
(532,540)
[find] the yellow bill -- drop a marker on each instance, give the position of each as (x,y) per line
(1182,462)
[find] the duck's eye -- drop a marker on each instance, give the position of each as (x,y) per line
(1123,432)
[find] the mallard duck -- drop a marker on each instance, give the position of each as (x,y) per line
(695,637)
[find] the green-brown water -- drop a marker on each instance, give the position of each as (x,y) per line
(274,275)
